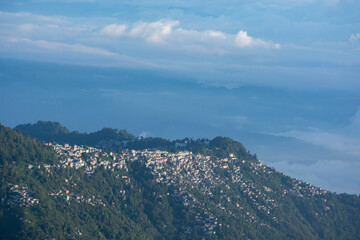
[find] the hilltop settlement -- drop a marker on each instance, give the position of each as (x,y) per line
(150,189)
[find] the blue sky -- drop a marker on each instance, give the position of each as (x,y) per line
(280,76)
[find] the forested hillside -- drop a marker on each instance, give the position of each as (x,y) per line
(152,188)
(53,131)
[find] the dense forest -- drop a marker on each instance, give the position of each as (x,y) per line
(116,186)
(53,131)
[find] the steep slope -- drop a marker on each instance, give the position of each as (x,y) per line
(42,199)
(190,189)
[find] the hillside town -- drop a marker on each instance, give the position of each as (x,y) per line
(190,176)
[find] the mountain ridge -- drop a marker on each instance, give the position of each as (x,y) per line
(112,138)
(212,189)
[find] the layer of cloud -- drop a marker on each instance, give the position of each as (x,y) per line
(333,175)
(326,139)
(168,31)
(243,40)
(211,53)
(153,32)
(114,30)
(61,46)
(32,17)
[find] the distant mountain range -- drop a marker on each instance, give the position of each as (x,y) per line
(112,185)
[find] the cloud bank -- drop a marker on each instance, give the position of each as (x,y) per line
(114,30)
(214,50)
(243,40)
(168,32)
(329,140)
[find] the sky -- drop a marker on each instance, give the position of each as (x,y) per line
(280,76)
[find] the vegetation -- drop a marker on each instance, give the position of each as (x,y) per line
(128,203)
(54,132)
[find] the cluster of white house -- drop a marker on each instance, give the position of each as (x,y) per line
(187,171)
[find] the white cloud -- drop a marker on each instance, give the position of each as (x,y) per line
(167,31)
(185,35)
(243,40)
(114,30)
(216,34)
(153,32)
(83,35)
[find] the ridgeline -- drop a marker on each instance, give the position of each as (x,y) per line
(112,185)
